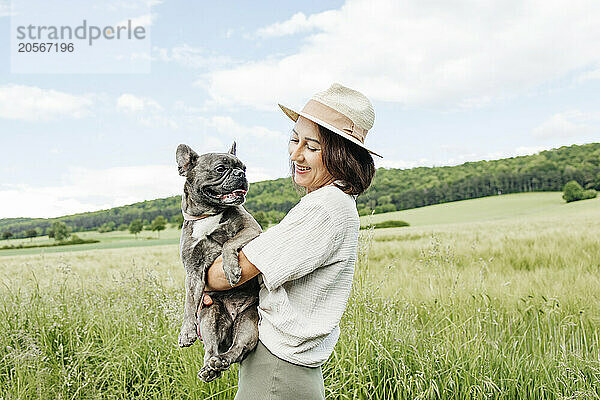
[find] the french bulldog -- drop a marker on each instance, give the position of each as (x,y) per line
(215,223)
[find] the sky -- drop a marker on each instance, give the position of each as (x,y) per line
(450,82)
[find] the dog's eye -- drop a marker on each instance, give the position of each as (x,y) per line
(220,169)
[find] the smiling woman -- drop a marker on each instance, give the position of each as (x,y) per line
(352,165)
(306,262)
(306,156)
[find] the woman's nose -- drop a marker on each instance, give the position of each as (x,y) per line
(297,154)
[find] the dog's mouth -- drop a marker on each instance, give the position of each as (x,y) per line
(227,198)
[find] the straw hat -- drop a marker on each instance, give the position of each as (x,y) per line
(341,110)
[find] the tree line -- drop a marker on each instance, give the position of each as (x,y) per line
(391,190)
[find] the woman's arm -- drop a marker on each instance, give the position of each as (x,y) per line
(215,277)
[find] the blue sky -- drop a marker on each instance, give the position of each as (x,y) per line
(449,84)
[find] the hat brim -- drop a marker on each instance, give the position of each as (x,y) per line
(293,115)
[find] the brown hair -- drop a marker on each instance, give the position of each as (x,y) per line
(345,161)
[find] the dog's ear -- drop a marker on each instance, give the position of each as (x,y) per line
(232,149)
(186,159)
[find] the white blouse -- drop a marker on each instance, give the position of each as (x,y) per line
(307,264)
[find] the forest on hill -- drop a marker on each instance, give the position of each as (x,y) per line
(391,190)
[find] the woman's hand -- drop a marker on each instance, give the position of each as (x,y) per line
(206,301)
(215,276)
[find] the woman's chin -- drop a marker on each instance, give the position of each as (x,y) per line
(301,182)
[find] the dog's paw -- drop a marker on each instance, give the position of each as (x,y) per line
(188,335)
(218,362)
(231,266)
(213,367)
(209,374)
(233,275)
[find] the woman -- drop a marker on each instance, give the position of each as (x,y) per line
(307,261)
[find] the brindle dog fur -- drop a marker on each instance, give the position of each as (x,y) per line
(216,185)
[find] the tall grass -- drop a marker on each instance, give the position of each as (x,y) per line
(506,310)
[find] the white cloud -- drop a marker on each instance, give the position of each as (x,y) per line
(257,174)
(135,56)
(31,103)
(228,125)
(298,23)
(435,54)
(529,150)
(209,144)
(589,75)
(159,121)
(150,113)
(85,189)
(181,107)
(5,9)
(401,164)
(191,57)
(216,124)
(119,5)
(135,104)
(459,158)
(152,3)
(566,124)
(144,20)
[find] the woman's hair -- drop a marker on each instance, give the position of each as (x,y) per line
(345,161)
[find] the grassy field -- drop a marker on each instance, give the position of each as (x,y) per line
(503,304)
(108,240)
(494,208)
(475,210)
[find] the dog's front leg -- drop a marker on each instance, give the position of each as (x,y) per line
(231,248)
(231,264)
(193,293)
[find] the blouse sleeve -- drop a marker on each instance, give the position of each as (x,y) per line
(303,241)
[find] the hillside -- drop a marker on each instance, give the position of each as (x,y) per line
(509,209)
(391,190)
(517,206)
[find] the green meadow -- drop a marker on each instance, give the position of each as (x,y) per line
(108,240)
(491,298)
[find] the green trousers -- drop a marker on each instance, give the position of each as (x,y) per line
(264,376)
